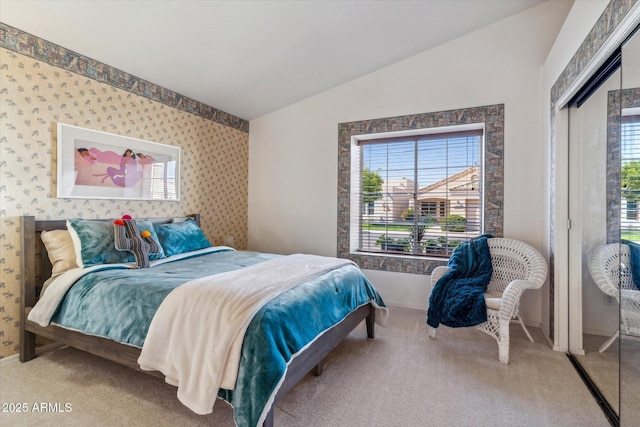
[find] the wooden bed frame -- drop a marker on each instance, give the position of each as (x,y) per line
(36,268)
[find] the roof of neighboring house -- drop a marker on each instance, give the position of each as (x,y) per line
(467,186)
(450,178)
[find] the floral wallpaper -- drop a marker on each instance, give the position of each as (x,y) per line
(35,95)
(37,48)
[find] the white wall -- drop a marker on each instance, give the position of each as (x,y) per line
(293,151)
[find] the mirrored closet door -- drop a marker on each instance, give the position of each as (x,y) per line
(604,207)
(593,298)
(630,230)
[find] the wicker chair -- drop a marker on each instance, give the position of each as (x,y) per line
(611,270)
(516,267)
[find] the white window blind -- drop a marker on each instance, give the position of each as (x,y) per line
(630,157)
(159,180)
(418,195)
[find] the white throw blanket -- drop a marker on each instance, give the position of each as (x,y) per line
(196,336)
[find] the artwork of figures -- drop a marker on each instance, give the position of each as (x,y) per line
(94,164)
(108,168)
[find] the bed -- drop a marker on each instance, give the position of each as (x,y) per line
(294,354)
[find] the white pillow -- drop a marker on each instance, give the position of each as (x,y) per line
(61,250)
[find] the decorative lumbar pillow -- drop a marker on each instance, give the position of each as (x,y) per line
(128,237)
(60,249)
(181,237)
(93,241)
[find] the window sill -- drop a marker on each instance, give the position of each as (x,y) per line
(398,263)
(401,256)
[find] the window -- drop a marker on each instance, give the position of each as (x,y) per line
(433,208)
(371,208)
(630,176)
(429,185)
(425,175)
(632,210)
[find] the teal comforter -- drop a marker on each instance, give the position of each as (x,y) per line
(119,304)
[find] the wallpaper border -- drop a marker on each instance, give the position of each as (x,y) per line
(32,46)
(493,118)
(611,17)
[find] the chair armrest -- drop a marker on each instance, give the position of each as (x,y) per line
(511,297)
(437,273)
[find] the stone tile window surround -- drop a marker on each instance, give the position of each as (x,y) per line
(490,116)
(617,100)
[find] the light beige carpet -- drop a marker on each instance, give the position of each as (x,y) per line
(629,381)
(602,368)
(616,373)
(400,378)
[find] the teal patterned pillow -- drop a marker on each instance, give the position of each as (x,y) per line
(180,237)
(94,242)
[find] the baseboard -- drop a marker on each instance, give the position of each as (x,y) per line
(533,325)
(549,342)
(7,360)
(599,332)
(420,307)
(16,357)
(629,337)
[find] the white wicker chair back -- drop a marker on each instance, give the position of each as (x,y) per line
(610,268)
(514,260)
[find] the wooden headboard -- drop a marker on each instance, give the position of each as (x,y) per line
(35,266)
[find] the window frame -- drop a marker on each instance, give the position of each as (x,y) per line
(491,117)
(617,100)
(412,140)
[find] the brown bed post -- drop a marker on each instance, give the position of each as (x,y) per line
(268,421)
(28,284)
(196,217)
(371,322)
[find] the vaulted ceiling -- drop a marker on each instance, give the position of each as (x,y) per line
(249,58)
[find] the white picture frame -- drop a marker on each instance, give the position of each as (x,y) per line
(100,165)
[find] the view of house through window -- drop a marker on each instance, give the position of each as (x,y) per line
(630,176)
(420,194)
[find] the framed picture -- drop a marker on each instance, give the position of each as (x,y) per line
(101,165)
